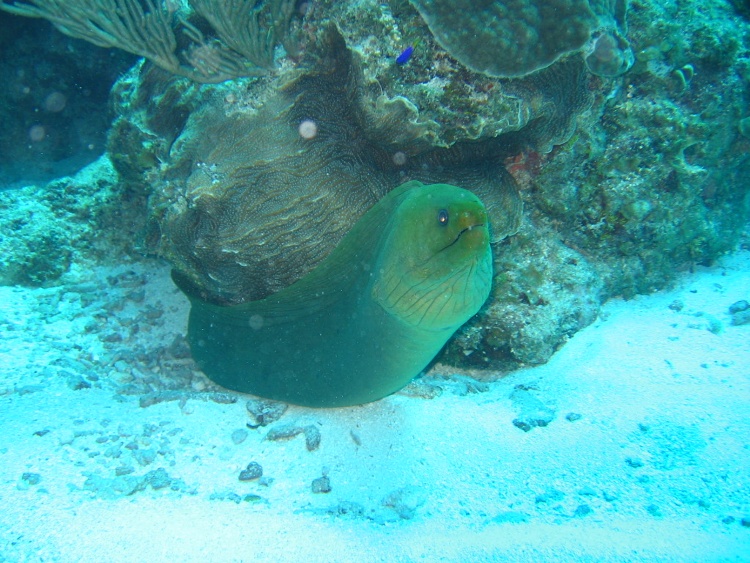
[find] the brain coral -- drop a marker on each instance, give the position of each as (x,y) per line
(508,37)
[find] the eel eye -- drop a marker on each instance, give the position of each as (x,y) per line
(443,217)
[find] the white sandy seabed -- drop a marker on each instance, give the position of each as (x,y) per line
(104,457)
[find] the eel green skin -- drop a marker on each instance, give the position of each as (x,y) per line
(368,318)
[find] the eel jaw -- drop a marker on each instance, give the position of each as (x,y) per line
(463,231)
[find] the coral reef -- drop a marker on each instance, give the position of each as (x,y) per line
(264,203)
(662,185)
(625,177)
(45,230)
(463,105)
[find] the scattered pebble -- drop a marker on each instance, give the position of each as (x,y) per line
(533,412)
(289,431)
(677,305)
(31,478)
(738,307)
(741,317)
(421,388)
(321,485)
(405,501)
(126,485)
(312,438)
(235,498)
(550,496)
(347,509)
(263,412)
(66,437)
(455,384)
(634,462)
(286,432)
(144,457)
(251,472)
(158,479)
(239,436)
(151,399)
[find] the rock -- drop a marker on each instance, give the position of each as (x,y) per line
(533,412)
(75,381)
(284,432)
(741,317)
(677,305)
(738,307)
(634,462)
(405,501)
(421,388)
(264,412)
(66,437)
(347,509)
(239,436)
(120,486)
(573,416)
(226,495)
(251,472)
(582,510)
(222,398)
(312,437)
(158,479)
(550,496)
(31,478)
(321,485)
(144,457)
(179,348)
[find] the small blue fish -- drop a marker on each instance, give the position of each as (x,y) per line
(404,57)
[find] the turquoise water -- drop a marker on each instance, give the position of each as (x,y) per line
(594,408)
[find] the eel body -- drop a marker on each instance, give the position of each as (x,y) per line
(369,318)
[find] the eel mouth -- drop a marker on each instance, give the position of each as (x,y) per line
(465,231)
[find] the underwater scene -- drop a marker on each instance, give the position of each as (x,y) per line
(375,281)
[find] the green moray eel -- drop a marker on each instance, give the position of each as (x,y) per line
(368,318)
